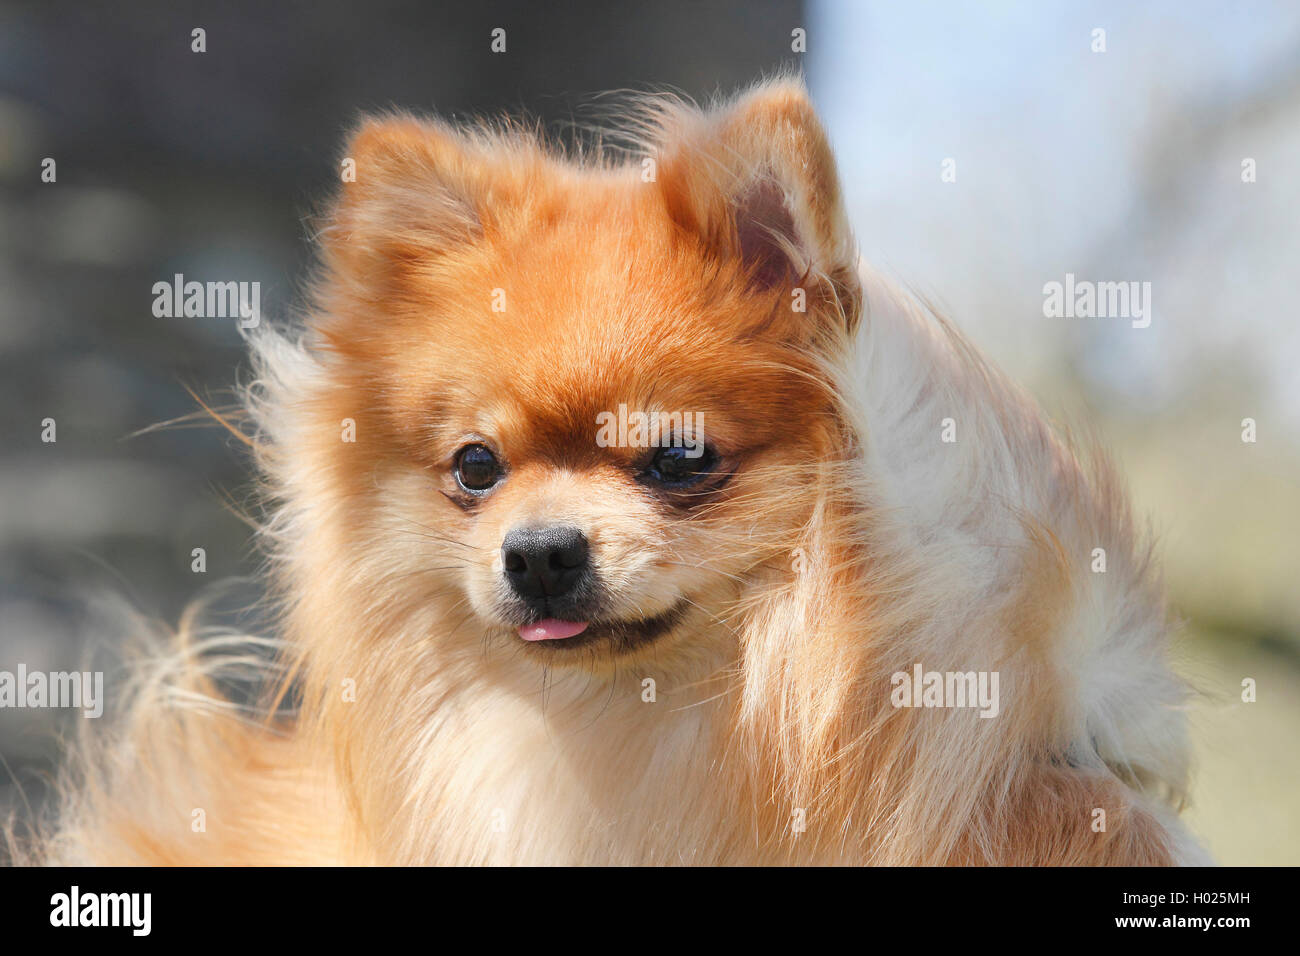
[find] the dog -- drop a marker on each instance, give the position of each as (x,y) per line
(618,515)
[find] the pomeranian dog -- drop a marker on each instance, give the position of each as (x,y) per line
(618,517)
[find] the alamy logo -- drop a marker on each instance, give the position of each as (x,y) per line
(53,689)
(102,909)
(624,429)
(1098,300)
(208,300)
(924,688)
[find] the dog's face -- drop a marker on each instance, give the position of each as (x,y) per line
(594,397)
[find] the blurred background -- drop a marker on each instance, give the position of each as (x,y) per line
(1114,165)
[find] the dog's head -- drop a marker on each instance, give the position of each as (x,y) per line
(587,398)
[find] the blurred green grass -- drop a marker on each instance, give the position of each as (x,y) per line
(1227,519)
(1246,789)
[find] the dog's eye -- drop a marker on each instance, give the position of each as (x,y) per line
(477,469)
(676,467)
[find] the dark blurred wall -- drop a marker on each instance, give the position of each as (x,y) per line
(205,164)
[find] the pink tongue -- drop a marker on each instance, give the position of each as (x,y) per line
(551,629)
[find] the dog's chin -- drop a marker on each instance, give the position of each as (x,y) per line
(615,637)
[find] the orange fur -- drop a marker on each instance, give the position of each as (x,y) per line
(810,578)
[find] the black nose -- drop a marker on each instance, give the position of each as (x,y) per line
(544,562)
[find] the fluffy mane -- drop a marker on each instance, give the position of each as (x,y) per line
(965,555)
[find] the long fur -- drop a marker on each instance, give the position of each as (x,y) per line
(417,734)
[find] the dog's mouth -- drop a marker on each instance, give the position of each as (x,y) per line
(621,635)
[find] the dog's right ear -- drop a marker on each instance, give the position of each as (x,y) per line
(410,192)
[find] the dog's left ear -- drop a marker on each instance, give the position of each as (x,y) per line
(755,182)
